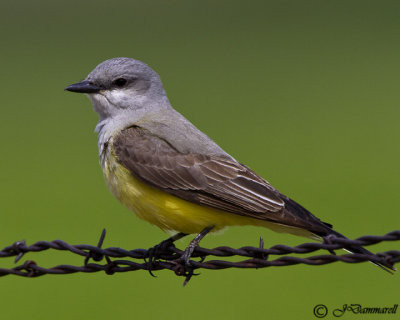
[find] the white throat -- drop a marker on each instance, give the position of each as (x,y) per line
(116,116)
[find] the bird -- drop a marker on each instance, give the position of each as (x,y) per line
(173,175)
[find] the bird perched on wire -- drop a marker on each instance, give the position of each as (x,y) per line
(171,174)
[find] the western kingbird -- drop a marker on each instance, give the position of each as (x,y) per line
(171,174)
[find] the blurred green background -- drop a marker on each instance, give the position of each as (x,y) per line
(306,93)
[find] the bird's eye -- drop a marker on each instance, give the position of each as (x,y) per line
(120,82)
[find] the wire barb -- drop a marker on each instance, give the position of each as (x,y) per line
(97,255)
(169,257)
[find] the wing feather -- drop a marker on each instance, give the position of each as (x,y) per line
(224,183)
(216,181)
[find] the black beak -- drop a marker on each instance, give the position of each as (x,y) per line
(84,86)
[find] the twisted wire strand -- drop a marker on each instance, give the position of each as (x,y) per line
(168,257)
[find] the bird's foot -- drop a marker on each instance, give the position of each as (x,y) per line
(187,254)
(161,249)
(187,269)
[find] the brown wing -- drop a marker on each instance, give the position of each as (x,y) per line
(215,181)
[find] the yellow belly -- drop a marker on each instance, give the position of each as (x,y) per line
(171,213)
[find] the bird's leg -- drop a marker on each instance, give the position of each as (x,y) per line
(154,251)
(193,244)
(165,244)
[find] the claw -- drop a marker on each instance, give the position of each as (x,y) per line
(187,254)
(193,244)
(154,252)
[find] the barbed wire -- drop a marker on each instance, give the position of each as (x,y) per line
(168,257)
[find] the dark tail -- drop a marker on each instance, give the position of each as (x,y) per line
(324,230)
(358,249)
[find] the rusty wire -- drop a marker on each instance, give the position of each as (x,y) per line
(168,256)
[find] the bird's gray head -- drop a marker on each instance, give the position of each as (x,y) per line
(122,84)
